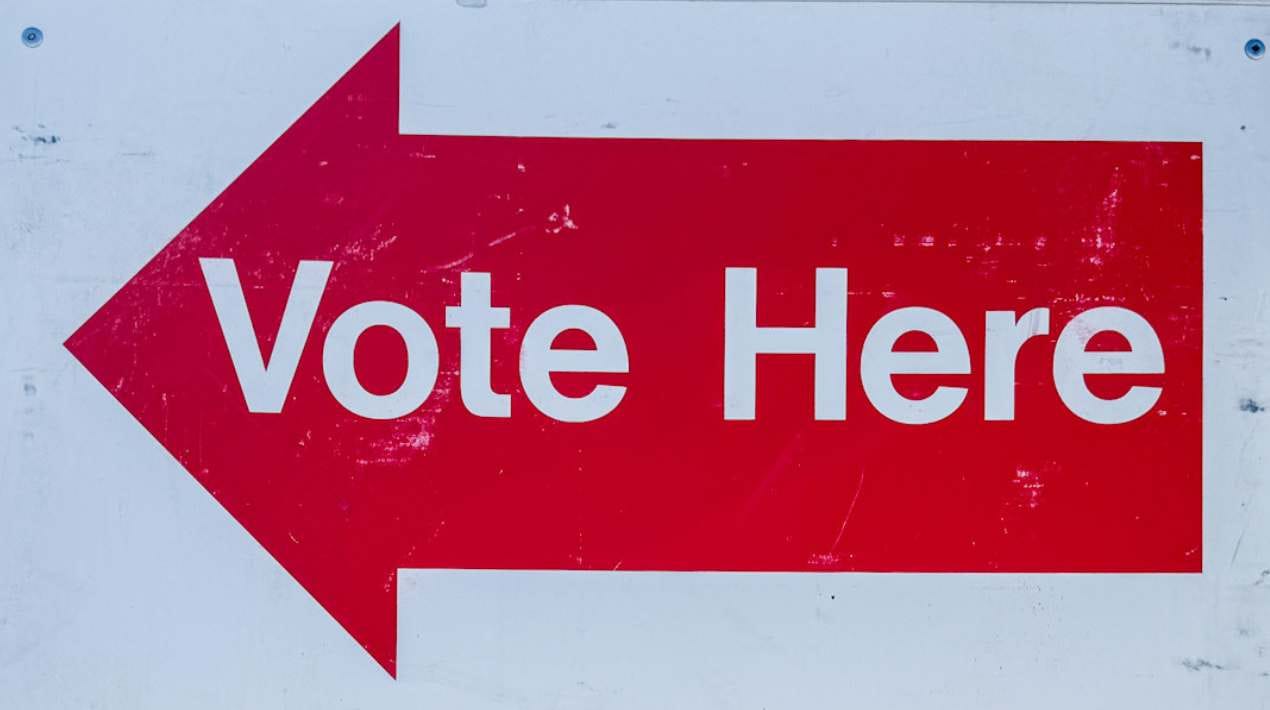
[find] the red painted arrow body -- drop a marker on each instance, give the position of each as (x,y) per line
(643,229)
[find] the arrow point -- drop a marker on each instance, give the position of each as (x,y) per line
(352,126)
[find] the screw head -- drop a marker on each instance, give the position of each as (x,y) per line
(1255,48)
(33,37)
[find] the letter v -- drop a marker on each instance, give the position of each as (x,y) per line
(265,387)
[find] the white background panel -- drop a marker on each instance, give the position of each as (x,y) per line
(124,585)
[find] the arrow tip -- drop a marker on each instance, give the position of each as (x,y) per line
(128,343)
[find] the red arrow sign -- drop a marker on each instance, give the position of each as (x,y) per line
(1014,451)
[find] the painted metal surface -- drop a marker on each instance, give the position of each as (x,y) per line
(697,529)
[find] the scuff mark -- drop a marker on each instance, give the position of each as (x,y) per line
(1031,484)
(1193,49)
(505,237)
(472,254)
(1201,664)
(850,509)
(361,251)
(1250,405)
(39,138)
(1240,542)
(451,264)
(561,221)
(823,559)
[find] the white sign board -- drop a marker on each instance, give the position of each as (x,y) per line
(625,354)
